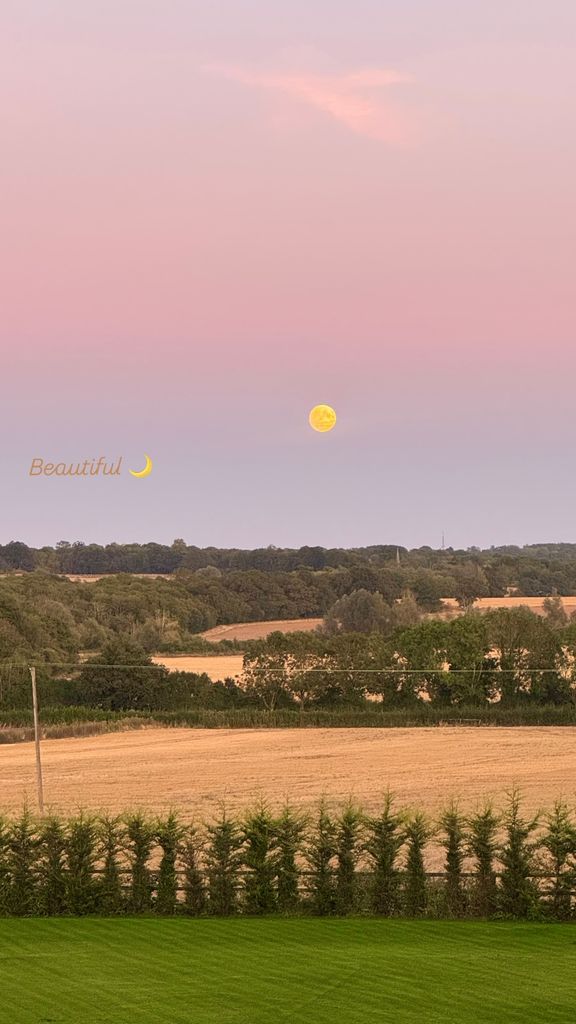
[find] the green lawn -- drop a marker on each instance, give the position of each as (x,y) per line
(154,971)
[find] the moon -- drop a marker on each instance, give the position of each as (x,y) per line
(322,418)
(147,468)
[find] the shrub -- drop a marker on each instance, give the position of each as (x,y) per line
(347,852)
(52,868)
(418,832)
(483,827)
(112,837)
(560,844)
(223,865)
(169,834)
(259,850)
(290,828)
(192,849)
(518,895)
(81,849)
(4,869)
(452,826)
(320,852)
(22,846)
(386,837)
(140,835)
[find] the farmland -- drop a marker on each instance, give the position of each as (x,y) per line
(358,971)
(197,769)
(216,666)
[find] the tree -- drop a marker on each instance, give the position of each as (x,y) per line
(560,845)
(472,665)
(260,843)
(518,895)
(320,854)
(555,612)
(418,832)
(223,865)
(452,825)
(359,612)
(347,852)
(483,827)
(386,835)
(122,678)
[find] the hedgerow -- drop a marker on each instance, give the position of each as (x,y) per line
(328,862)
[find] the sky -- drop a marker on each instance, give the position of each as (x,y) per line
(215,215)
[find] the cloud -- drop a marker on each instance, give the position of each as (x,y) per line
(352,99)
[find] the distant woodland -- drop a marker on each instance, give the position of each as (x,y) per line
(43,614)
(533,570)
(380,643)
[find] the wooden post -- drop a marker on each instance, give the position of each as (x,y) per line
(37,742)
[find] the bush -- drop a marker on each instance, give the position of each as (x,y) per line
(559,844)
(386,837)
(22,846)
(223,865)
(81,848)
(169,834)
(260,843)
(140,834)
(347,851)
(290,828)
(320,853)
(343,863)
(452,825)
(191,852)
(52,868)
(482,846)
(518,895)
(418,833)
(112,838)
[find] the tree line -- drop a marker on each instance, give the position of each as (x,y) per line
(477,663)
(532,570)
(507,656)
(326,863)
(50,618)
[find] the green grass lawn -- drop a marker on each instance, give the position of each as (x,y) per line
(154,971)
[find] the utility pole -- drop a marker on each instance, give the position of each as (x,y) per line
(37,742)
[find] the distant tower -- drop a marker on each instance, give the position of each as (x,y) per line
(397,556)
(443,541)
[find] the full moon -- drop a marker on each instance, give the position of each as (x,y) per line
(322,418)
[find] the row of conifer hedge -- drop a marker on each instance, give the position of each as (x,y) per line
(329,862)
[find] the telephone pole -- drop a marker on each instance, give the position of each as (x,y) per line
(39,782)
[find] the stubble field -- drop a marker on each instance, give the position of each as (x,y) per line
(197,769)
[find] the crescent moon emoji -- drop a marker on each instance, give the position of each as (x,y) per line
(147,468)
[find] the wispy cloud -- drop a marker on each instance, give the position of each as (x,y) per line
(354,99)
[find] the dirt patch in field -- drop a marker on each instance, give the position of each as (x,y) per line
(196,769)
(259,630)
(216,666)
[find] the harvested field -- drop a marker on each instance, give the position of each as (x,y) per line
(484,604)
(217,666)
(195,769)
(259,630)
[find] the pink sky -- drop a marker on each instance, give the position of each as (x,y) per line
(214,217)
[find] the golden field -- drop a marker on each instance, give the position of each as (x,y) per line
(195,769)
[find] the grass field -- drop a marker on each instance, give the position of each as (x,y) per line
(267,971)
